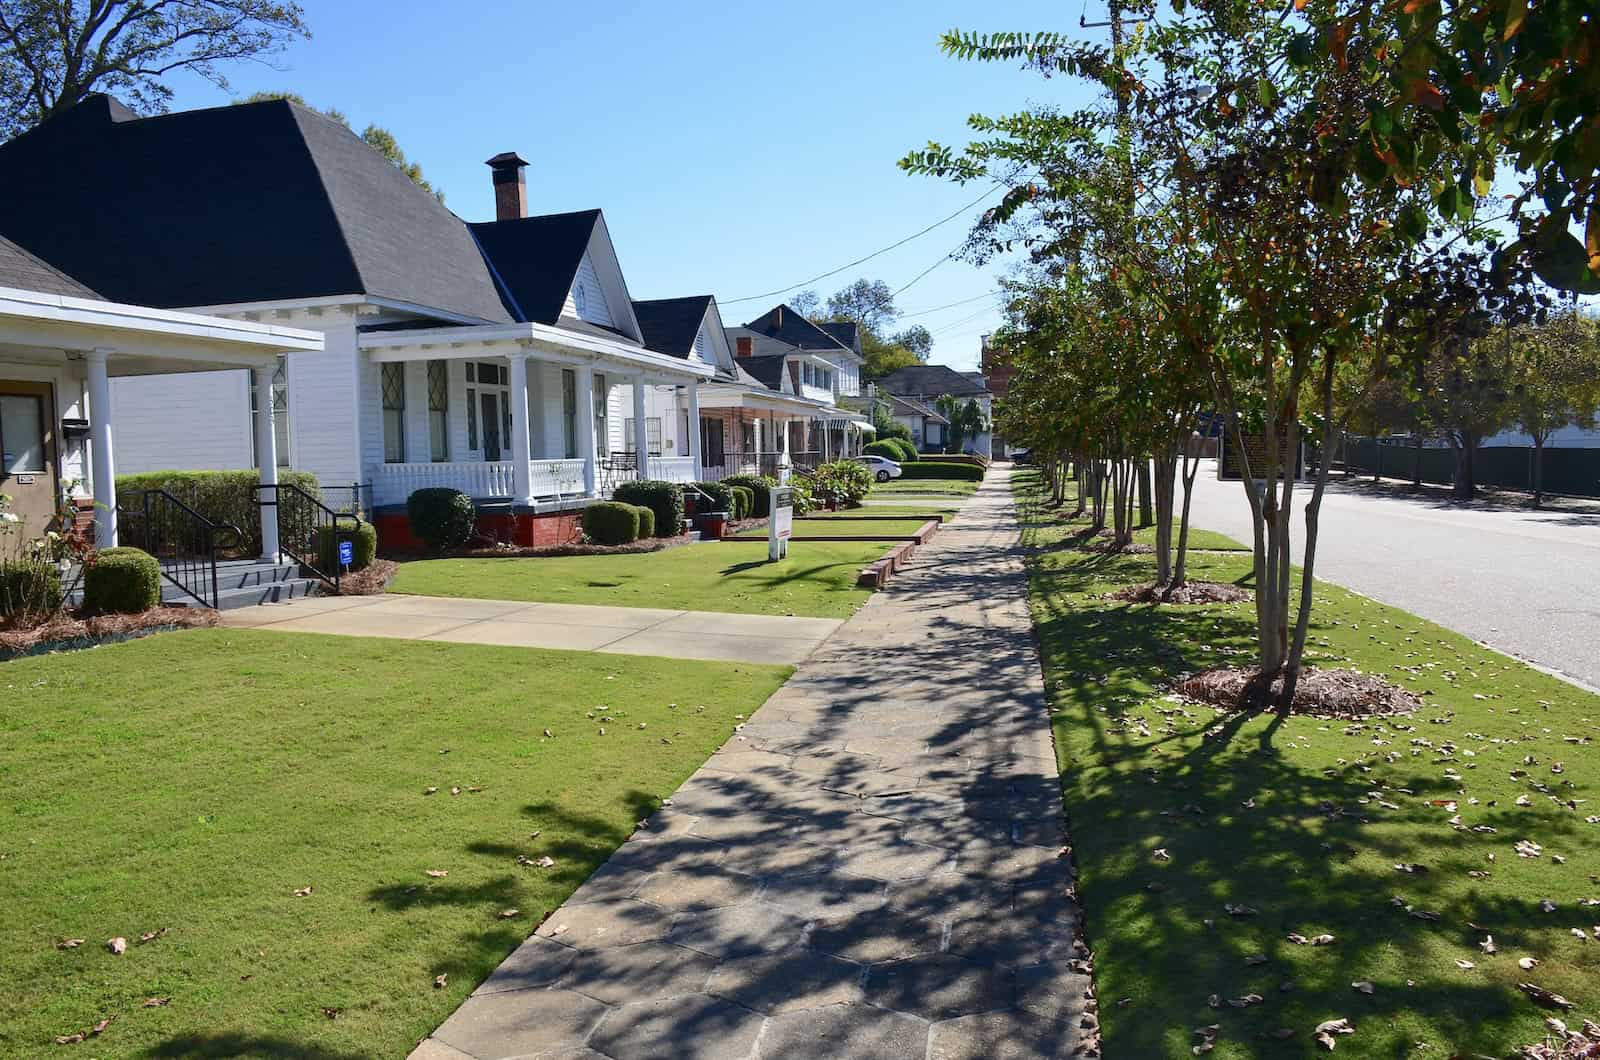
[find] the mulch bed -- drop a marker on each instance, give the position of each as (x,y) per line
(369,581)
(1188,593)
(68,631)
(1341,694)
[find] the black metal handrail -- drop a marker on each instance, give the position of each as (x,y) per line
(303,520)
(184,542)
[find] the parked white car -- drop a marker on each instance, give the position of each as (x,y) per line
(883,469)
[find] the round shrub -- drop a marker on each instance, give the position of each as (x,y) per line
(441,517)
(908,452)
(744,501)
(720,494)
(364,538)
(29,589)
(761,486)
(804,501)
(844,481)
(665,499)
(611,522)
(886,449)
(647,521)
(122,581)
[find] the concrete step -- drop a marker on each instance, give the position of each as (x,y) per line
(271,593)
(239,574)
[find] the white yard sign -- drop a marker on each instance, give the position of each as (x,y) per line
(781,525)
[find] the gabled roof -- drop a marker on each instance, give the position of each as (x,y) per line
(930,380)
(768,369)
(670,325)
(20,269)
(536,259)
(845,332)
(255,202)
(904,406)
(786,325)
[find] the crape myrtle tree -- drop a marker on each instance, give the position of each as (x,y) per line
(1261,134)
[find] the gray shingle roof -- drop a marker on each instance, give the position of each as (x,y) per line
(768,369)
(845,332)
(669,325)
(257,202)
(929,380)
(20,269)
(786,325)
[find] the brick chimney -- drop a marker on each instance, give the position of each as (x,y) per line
(744,346)
(510,186)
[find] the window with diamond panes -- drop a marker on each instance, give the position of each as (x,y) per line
(394,413)
(439,410)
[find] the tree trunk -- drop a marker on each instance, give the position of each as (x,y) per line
(1465,485)
(1166,461)
(1416,460)
(1538,471)
(1144,492)
(1313,512)
(1180,575)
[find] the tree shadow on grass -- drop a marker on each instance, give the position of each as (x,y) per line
(227,1044)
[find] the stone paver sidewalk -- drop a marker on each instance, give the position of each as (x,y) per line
(580,627)
(872,868)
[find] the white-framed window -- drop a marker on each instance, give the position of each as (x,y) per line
(652,432)
(439,410)
(394,412)
(602,416)
(569,410)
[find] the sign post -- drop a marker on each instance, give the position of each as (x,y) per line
(347,553)
(781,525)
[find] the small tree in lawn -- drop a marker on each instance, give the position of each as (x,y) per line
(1555,381)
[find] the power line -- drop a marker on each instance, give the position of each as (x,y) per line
(942,329)
(874,254)
(947,305)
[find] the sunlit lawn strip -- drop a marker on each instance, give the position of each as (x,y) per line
(817,579)
(839,527)
(194,781)
(930,486)
(1316,827)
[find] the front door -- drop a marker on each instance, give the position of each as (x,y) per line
(490,419)
(27,453)
(711,443)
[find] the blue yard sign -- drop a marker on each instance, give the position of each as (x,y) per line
(347,553)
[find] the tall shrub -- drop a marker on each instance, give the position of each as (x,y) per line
(221,496)
(761,486)
(665,499)
(441,518)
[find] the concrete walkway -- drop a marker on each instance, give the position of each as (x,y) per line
(618,630)
(872,868)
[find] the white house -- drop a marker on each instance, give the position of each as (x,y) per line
(924,384)
(64,351)
(487,357)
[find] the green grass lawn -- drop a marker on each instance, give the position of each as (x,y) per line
(192,782)
(1313,824)
(817,579)
(874,527)
(933,487)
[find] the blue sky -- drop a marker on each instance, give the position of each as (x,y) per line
(734,148)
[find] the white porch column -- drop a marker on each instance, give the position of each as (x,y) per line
(521,435)
(691,395)
(102,466)
(641,437)
(266,462)
(585,410)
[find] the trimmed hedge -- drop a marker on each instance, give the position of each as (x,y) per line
(365,542)
(721,495)
(960,458)
(888,449)
(937,469)
(647,521)
(29,588)
(744,500)
(665,499)
(761,486)
(904,451)
(441,517)
(121,581)
(221,496)
(611,522)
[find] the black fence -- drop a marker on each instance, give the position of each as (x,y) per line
(1575,472)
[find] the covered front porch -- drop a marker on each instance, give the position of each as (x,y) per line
(525,419)
(748,433)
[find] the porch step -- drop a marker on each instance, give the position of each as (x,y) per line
(272,593)
(239,574)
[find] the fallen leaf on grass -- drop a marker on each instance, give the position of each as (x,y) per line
(441,981)
(1543,996)
(333,1013)
(1208,1038)
(69,944)
(1160,854)
(1464,964)
(1487,945)
(1246,1001)
(1328,1029)
(99,1028)
(302,892)
(548,735)
(455,790)
(1527,964)
(507,914)
(437,873)
(1547,906)
(157,1002)
(1239,910)
(1256,958)
(118,945)
(151,936)
(1314,940)
(1410,868)
(69,1039)
(430,791)
(1527,848)
(1363,986)
(546,862)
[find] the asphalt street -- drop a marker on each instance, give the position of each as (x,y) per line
(1526,582)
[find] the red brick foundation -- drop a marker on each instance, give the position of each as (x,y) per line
(543,530)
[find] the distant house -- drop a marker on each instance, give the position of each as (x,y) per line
(924,384)
(927,426)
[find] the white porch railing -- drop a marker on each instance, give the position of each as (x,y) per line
(672,468)
(479,479)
